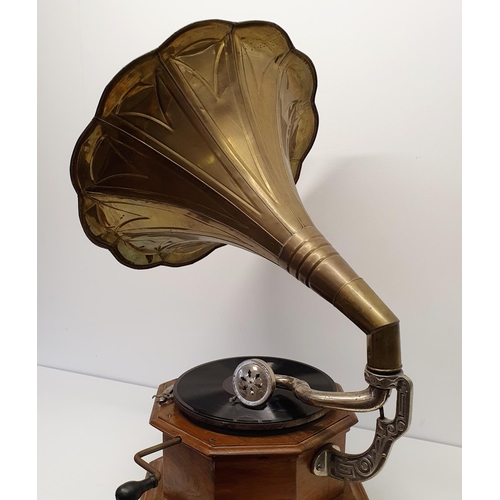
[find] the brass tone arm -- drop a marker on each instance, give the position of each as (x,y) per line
(369,399)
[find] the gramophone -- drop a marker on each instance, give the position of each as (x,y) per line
(196,145)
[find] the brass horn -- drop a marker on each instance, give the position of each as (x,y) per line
(199,144)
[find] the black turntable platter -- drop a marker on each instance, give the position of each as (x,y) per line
(205,394)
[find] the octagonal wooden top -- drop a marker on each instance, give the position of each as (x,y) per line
(211,442)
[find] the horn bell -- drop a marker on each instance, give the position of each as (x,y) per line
(199,144)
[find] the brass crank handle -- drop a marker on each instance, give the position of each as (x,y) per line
(132,490)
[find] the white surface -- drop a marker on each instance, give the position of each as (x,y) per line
(382,182)
(89,430)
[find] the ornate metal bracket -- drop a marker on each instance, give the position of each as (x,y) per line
(361,467)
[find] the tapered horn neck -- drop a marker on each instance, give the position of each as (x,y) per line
(310,258)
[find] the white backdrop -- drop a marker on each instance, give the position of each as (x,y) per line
(382,182)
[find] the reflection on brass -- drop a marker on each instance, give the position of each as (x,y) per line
(198,144)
